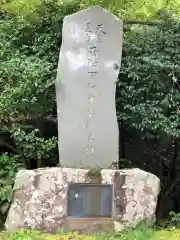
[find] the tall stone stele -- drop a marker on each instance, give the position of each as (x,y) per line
(88,69)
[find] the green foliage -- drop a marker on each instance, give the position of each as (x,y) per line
(30,146)
(125,163)
(174,220)
(36,235)
(25,234)
(9,166)
(140,234)
(94,173)
(29,53)
(135,234)
(25,9)
(149,88)
(135,9)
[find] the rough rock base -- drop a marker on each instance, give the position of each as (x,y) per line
(40,200)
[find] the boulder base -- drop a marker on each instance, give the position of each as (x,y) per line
(41,196)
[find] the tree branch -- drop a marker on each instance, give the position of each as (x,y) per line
(141,22)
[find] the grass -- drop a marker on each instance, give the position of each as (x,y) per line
(140,233)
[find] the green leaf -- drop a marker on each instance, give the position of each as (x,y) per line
(4,208)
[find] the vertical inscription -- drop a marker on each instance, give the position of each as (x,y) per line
(100,32)
(88,31)
(93,38)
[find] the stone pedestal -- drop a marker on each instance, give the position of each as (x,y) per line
(41,200)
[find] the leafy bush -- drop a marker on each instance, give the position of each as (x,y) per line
(30,146)
(9,165)
(29,51)
(174,220)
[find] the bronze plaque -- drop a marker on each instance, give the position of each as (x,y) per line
(89,200)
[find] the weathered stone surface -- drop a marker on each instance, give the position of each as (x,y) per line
(40,199)
(89,64)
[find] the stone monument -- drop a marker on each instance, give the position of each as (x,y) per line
(64,197)
(89,65)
